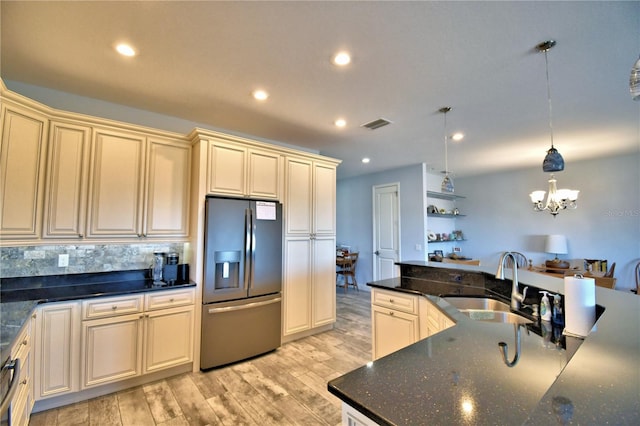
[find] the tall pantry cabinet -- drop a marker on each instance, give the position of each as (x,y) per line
(309,290)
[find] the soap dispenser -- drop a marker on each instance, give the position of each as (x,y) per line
(558,317)
(545,307)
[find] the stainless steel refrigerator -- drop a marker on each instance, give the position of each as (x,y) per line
(241,315)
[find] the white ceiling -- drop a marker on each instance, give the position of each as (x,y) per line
(201,60)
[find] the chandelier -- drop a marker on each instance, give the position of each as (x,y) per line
(553,162)
(558,199)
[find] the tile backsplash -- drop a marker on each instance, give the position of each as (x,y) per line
(43,260)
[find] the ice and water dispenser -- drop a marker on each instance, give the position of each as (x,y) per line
(227,270)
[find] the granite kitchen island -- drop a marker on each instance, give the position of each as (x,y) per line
(458,376)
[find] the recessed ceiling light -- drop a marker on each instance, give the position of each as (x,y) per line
(366,160)
(457,136)
(125,49)
(260,95)
(340,122)
(342,59)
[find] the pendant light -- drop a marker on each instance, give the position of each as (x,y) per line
(447,182)
(634,81)
(557,199)
(553,162)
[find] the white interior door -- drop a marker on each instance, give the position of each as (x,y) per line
(386,231)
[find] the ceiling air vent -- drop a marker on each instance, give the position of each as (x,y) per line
(376,124)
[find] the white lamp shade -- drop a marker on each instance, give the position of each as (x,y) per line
(537,196)
(556,244)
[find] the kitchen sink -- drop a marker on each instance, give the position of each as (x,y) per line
(486,309)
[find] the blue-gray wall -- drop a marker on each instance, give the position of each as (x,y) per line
(606,224)
(355,215)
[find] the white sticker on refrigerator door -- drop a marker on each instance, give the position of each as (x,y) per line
(265,210)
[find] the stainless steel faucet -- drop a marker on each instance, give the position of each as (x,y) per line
(516,297)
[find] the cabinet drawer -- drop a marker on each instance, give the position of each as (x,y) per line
(395,300)
(111,306)
(169,299)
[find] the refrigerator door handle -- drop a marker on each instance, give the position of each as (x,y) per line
(241,307)
(247,247)
(253,249)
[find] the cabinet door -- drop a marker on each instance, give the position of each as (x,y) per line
(324,199)
(296,291)
(116,195)
(111,349)
(67,170)
(227,172)
(22,168)
(168,338)
(298,196)
(56,349)
(264,174)
(392,330)
(168,183)
(324,281)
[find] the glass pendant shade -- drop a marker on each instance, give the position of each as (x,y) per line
(634,81)
(447,184)
(553,162)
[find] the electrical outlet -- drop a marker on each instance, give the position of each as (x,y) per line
(418,247)
(63,260)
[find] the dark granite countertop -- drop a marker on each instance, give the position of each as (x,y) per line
(458,376)
(20,296)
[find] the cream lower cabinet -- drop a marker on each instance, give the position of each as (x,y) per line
(309,290)
(124,337)
(400,319)
(57,349)
(22,401)
(352,417)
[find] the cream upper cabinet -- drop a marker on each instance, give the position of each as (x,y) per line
(299,196)
(264,174)
(324,199)
(117,184)
(168,188)
(139,186)
(22,169)
(236,169)
(311,197)
(67,176)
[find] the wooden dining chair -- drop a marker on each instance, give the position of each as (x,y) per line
(348,269)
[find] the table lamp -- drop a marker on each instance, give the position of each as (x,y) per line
(556,244)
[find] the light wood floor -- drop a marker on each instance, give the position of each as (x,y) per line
(285,387)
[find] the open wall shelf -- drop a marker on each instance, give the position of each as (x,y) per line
(444,195)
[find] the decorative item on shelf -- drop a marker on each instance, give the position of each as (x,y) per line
(431,236)
(458,235)
(634,81)
(432,209)
(553,162)
(556,244)
(455,212)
